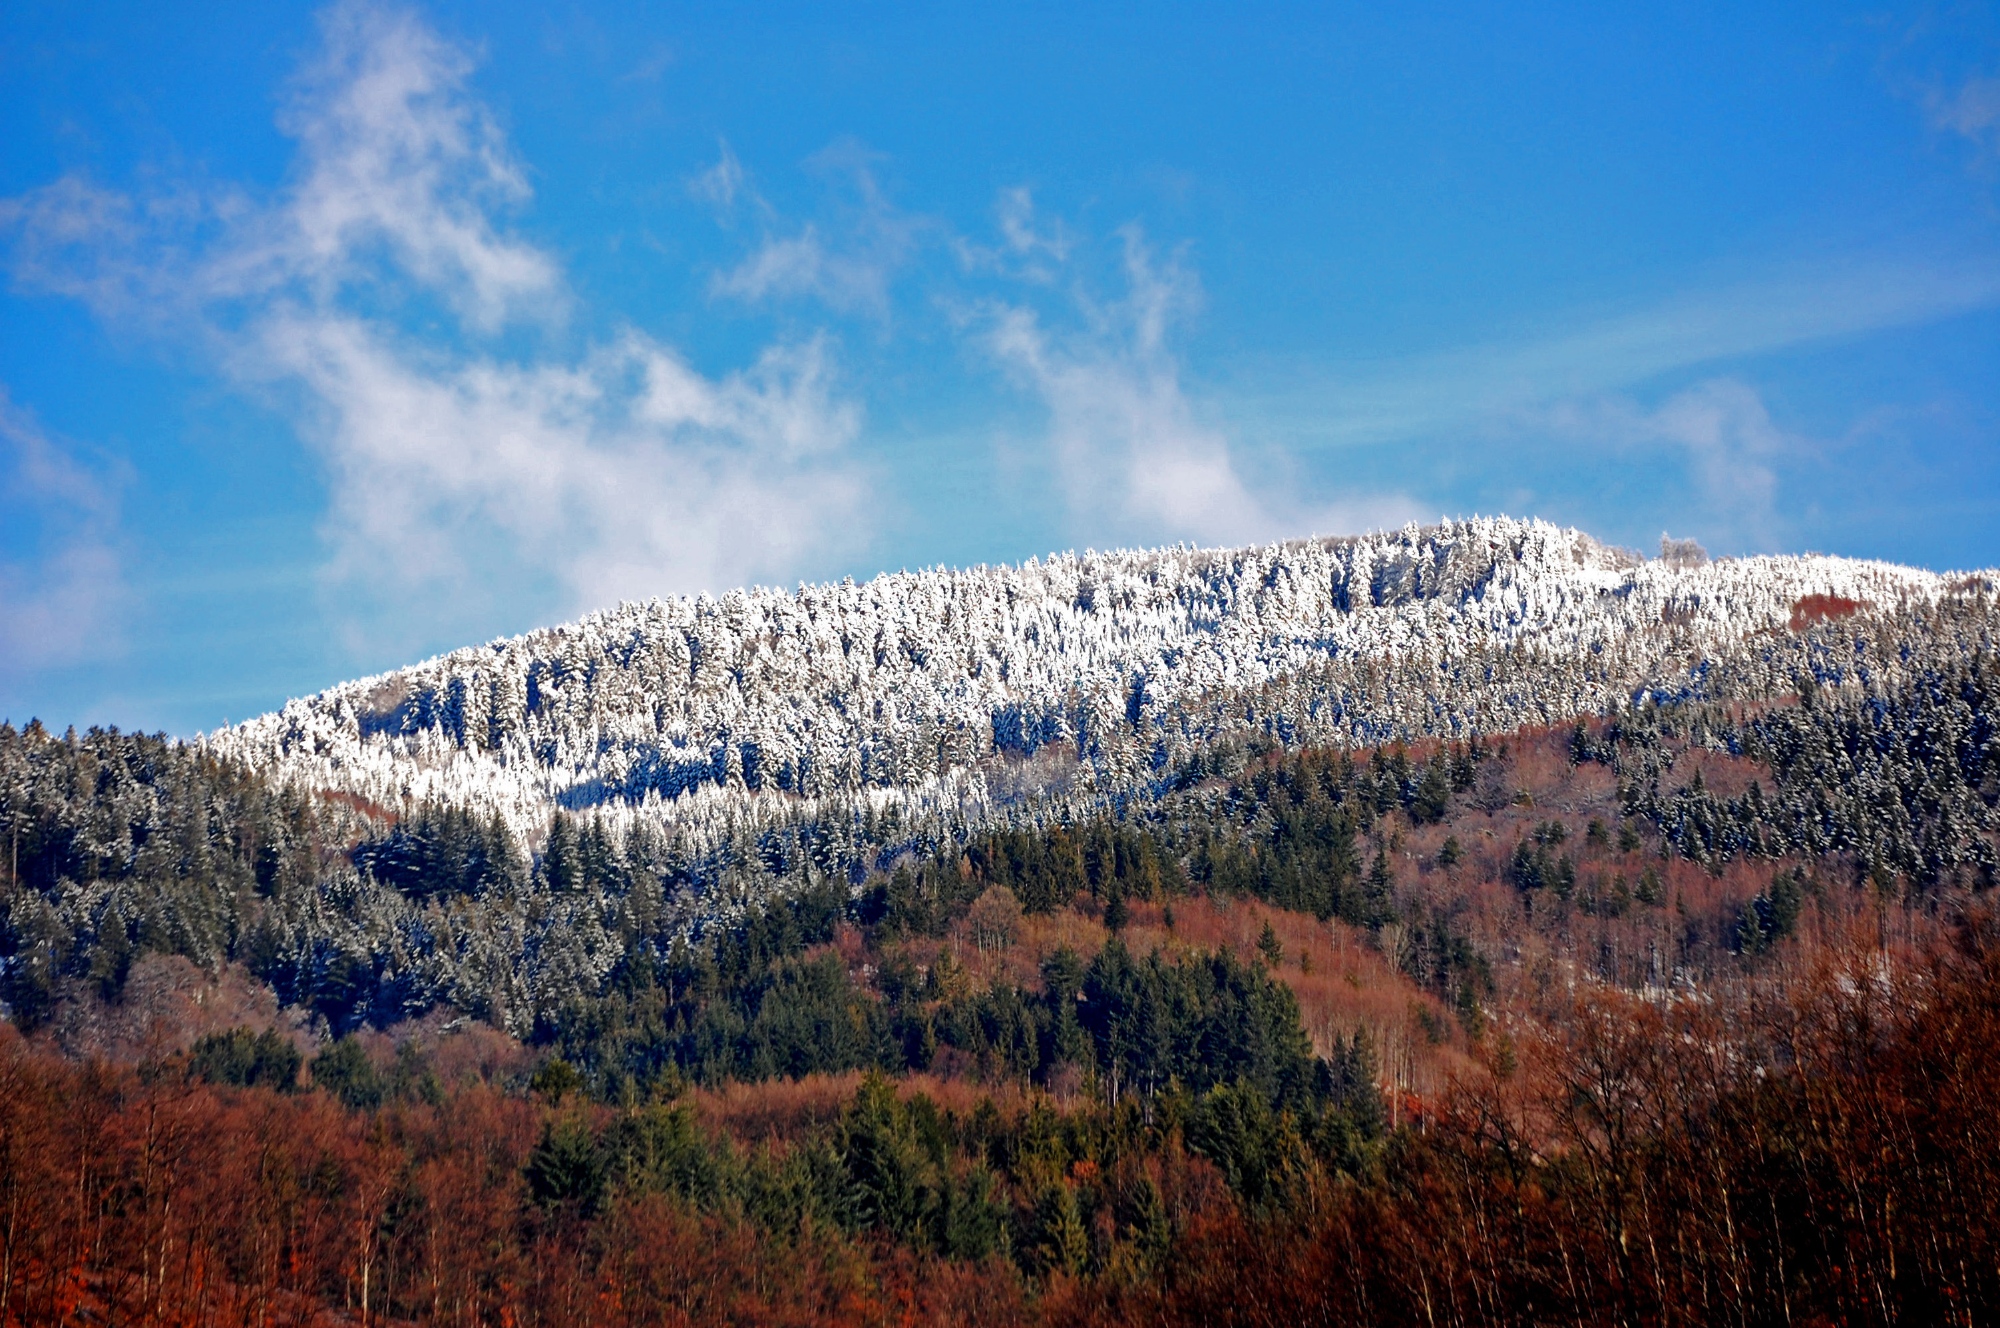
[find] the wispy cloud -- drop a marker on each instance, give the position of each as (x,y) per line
(630,472)
(723,183)
(1971,109)
(400,164)
(1720,430)
(848,267)
(1136,459)
(454,468)
(62,592)
(801,265)
(1364,403)
(1032,247)
(652,67)
(135,261)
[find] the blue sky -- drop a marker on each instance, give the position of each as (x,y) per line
(332,338)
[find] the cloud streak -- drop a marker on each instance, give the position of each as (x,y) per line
(876,240)
(1135,458)
(457,472)
(63,598)
(402,165)
(1032,248)
(1720,430)
(1366,404)
(1971,110)
(630,472)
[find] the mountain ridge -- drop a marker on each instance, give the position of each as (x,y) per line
(916,689)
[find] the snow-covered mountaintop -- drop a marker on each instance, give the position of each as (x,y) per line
(921,684)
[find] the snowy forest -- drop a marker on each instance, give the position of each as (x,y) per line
(1472,924)
(931,693)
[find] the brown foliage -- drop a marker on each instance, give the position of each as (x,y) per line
(1344,982)
(1823,1148)
(171,1203)
(1822,608)
(1813,1141)
(166,1003)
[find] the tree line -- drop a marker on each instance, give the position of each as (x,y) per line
(1808,1147)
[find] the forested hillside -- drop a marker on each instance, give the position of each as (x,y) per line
(1384,1034)
(927,695)
(1659,1003)
(1816,1147)
(1879,750)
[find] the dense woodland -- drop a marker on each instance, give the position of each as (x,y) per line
(1816,1147)
(941,698)
(1683,1012)
(121,844)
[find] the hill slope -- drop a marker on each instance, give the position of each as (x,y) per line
(929,690)
(1051,944)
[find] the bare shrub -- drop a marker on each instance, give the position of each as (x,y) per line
(995,919)
(1682,552)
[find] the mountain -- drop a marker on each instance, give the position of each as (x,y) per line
(932,692)
(1332,931)
(506,830)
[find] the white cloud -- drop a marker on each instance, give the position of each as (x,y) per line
(1727,433)
(1972,110)
(721,183)
(800,265)
(630,473)
(1369,403)
(1020,226)
(132,260)
(1136,459)
(849,273)
(1032,248)
(1721,430)
(399,162)
(61,603)
(454,469)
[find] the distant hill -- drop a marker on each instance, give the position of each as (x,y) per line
(1646,1013)
(512,830)
(933,692)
